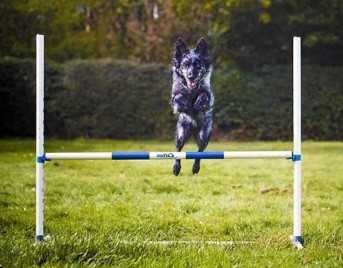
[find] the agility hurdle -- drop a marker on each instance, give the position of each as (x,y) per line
(295,155)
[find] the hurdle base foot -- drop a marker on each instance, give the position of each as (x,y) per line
(297,241)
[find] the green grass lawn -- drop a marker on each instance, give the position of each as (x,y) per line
(101,212)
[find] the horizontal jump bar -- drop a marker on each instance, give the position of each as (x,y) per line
(166,155)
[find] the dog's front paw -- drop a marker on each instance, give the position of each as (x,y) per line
(196,167)
(180,104)
(201,103)
(176,169)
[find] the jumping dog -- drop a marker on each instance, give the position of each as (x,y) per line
(192,98)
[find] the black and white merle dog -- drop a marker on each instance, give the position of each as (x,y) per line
(192,98)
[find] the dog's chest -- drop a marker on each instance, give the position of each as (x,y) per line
(196,118)
(190,98)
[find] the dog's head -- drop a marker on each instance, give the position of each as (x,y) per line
(191,64)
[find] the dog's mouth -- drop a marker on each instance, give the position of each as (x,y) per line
(192,83)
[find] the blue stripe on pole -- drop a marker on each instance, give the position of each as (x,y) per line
(41,159)
(39,238)
(130,155)
(296,157)
(204,155)
(298,239)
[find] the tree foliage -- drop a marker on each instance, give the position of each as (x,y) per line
(248,32)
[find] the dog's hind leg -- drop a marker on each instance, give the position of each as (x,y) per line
(183,132)
(202,138)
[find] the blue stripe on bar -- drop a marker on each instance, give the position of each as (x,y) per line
(204,155)
(130,155)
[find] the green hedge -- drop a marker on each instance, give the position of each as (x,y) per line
(255,105)
(260,105)
(114,99)
(17,95)
(107,99)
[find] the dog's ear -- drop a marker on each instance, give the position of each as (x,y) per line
(201,47)
(179,51)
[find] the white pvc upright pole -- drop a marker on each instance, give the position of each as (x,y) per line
(40,158)
(297,239)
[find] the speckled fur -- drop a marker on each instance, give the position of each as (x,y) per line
(192,98)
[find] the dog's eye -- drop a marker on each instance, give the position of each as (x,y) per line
(186,64)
